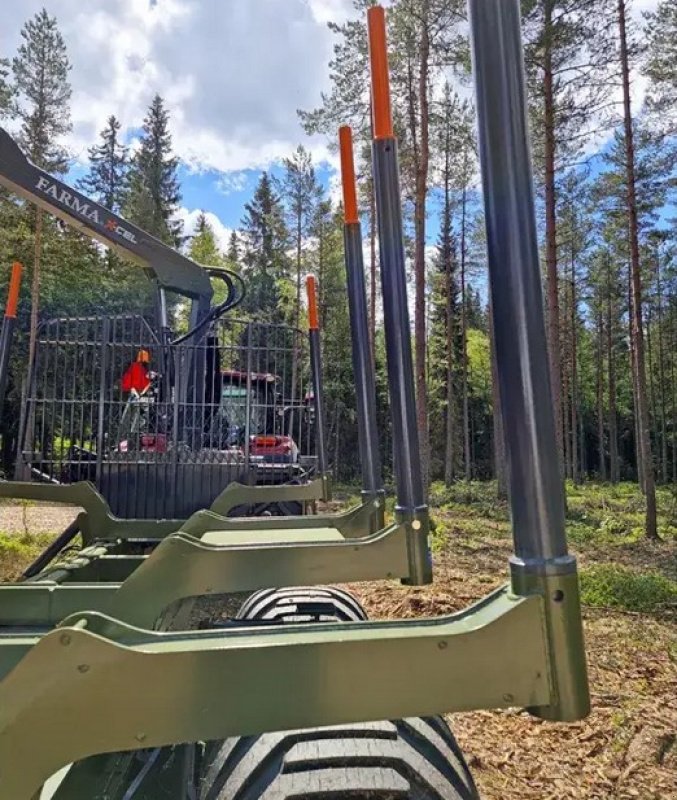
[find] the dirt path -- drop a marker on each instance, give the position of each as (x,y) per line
(35,518)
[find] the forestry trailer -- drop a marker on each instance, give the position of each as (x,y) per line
(116,680)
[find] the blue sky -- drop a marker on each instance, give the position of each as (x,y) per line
(233,74)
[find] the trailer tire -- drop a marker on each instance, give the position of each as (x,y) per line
(408,759)
(287,508)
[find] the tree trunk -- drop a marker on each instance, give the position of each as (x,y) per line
(449,430)
(421,192)
(600,398)
(614,474)
(661,374)
(35,287)
(499,444)
(551,227)
(575,476)
(633,375)
(638,334)
(467,463)
(449,320)
(673,393)
(565,362)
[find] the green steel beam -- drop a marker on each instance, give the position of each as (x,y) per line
(354,522)
(46,604)
(182,566)
(149,689)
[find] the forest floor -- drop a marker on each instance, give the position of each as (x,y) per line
(627,747)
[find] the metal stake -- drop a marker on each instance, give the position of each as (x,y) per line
(363,362)
(411,497)
(8,325)
(318,389)
(541,562)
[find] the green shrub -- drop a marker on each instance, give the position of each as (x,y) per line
(617,587)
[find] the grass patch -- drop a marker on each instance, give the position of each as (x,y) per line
(616,587)
(17,552)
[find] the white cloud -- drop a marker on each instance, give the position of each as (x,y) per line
(233,72)
(189,218)
(231,182)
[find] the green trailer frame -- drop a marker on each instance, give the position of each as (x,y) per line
(127,661)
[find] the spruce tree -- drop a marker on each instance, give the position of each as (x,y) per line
(107,179)
(203,246)
(42,94)
(265,263)
(233,252)
(154,193)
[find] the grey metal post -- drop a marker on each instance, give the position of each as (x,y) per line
(362,358)
(541,562)
(318,388)
(8,326)
(411,496)
(248,402)
(6,336)
(104,352)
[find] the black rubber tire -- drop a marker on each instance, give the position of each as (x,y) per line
(302,604)
(288,508)
(416,759)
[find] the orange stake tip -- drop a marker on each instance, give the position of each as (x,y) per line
(380,82)
(350,214)
(14,286)
(313,317)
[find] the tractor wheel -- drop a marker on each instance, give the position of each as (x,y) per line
(289,508)
(407,759)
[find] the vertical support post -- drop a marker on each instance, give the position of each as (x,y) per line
(318,388)
(8,325)
(411,508)
(363,363)
(248,403)
(103,366)
(541,563)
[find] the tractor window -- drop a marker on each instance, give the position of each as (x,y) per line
(234,408)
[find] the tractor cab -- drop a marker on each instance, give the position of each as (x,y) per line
(253,417)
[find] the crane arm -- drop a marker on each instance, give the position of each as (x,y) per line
(172,270)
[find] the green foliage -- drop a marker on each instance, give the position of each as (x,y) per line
(17,552)
(154,193)
(42,91)
(203,247)
(265,261)
(660,64)
(611,586)
(108,178)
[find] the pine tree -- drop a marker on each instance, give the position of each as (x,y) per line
(41,103)
(154,194)
(660,65)
(568,57)
(637,329)
(107,179)
(300,192)
(5,87)
(43,92)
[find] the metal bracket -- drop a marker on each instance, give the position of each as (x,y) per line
(182,566)
(155,689)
